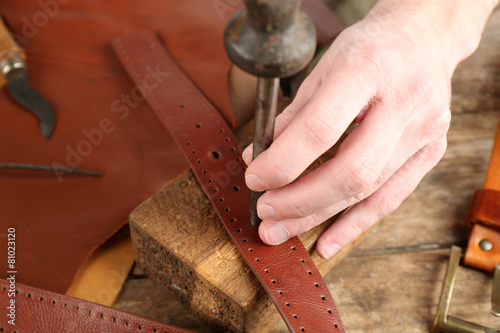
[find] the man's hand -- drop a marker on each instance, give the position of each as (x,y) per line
(389,73)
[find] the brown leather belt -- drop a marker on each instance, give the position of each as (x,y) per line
(287,272)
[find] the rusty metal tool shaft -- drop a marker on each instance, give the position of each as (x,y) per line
(265,115)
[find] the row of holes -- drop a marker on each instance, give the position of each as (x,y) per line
(216,155)
(77,308)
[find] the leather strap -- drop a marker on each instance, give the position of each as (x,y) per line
(287,272)
(484,217)
(37,310)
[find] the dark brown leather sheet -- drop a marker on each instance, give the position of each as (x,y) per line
(103,124)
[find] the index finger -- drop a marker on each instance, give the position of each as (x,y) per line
(314,130)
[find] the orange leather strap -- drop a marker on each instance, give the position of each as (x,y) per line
(287,272)
(483,250)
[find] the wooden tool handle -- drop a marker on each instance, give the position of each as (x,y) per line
(8,47)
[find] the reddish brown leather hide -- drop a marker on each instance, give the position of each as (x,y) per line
(59,221)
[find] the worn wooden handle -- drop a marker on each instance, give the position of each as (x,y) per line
(8,46)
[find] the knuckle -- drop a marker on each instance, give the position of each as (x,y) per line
(387,205)
(319,127)
(360,179)
(310,222)
(282,174)
(299,208)
(357,229)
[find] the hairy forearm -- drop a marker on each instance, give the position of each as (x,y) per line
(452,27)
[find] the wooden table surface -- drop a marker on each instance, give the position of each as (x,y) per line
(392,281)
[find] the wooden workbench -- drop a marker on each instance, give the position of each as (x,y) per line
(392,281)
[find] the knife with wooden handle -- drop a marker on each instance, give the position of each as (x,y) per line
(14,73)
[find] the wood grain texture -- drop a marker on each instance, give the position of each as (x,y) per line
(391,281)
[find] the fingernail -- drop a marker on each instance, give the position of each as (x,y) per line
(275,234)
(254,183)
(330,250)
(266,212)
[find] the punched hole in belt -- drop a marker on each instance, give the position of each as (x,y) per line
(182,106)
(53,302)
(215,154)
(336,325)
(302,329)
(198,125)
(236,188)
(295,316)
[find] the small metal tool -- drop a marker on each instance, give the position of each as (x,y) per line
(54,168)
(14,72)
(449,324)
(271,39)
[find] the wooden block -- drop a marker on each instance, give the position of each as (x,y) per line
(180,243)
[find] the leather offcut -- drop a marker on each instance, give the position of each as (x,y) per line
(37,310)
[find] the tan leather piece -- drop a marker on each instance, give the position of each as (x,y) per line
(287,272)
(484,215)
(37,310)
(485,208)
(101,278)
(478,258)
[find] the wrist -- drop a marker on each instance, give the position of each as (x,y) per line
(447,30)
